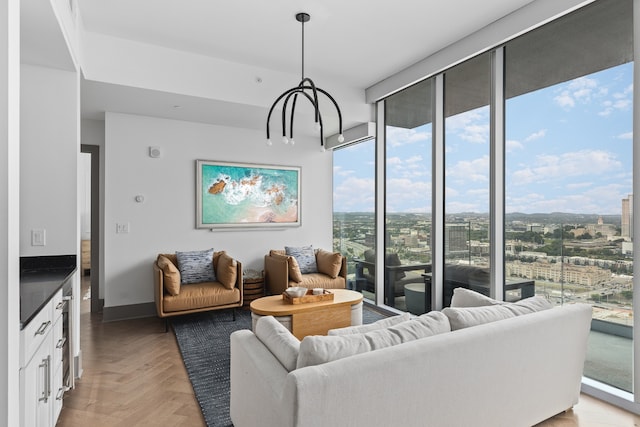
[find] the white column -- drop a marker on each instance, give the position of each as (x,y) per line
(437,198)
(9,211)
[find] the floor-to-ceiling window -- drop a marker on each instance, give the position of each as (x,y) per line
(467,148)
(408,151)
(354,227)
(567,181)
(569,171)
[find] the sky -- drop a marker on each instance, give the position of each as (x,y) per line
(568,149)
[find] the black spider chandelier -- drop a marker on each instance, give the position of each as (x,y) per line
(309,90)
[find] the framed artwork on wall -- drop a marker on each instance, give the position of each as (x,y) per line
(244,195)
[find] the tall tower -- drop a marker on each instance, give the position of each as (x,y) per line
(626,220)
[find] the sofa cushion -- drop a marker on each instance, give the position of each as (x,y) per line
(317,349)
(279,340)
(319,280)
(305,256)
(329,263)
(463,297)
(170,275)
(201,295)
(196,266)
(379,324)
(227,271)
(467,298)
(464,317)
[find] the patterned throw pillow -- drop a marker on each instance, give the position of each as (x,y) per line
(305,256)
(196,266)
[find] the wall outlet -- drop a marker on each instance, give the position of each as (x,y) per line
(38,237)
(122,227)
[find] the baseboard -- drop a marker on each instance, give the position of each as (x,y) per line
(125,312)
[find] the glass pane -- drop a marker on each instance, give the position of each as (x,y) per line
(467,168)
(569,173)
(354,226)
(408,116)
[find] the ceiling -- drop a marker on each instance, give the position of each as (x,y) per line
(353,42)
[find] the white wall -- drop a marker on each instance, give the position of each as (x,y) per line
(48,160)
(165,221)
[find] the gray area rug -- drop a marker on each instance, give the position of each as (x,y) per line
(203,340)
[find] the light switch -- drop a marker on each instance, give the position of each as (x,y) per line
(122,227)
(38,237)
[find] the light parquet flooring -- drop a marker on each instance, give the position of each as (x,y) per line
(134,376)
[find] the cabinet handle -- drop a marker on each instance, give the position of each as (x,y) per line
(60,394)
(61,342)
(41,330)
(46,392)
(61,305)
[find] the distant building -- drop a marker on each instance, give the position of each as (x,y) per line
(626,220)
(455,238)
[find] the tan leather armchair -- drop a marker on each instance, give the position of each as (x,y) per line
(278,274)
(173,298)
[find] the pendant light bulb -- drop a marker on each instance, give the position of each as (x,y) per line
(285,140)
(269,143)
(292,141)
(341,138)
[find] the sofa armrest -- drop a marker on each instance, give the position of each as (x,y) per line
(257,377)
(158,288)
(276,274)
(240,281)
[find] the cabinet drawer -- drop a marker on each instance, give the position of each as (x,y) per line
(34,334)
(58,305)
(57,393)
(58,343)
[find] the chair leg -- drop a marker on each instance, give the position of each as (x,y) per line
(166,325)
(234,314)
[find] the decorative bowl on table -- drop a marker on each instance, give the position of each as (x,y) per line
(296,291)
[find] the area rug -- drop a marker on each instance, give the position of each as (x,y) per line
(203,340)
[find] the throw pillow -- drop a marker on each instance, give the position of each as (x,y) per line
(329,263)
(171,275)
(305,256)
(465,317)
(196,266)
(279,340)
(529,305)
(227,271)
(463,297)
(379,324)
(318,349)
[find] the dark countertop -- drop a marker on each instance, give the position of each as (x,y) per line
(40,279)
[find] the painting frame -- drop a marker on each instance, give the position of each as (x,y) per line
(232,195)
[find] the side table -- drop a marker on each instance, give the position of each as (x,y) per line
(253,286)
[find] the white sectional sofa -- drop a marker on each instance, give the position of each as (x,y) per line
(517,371)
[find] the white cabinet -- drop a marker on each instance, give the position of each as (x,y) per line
(41,386)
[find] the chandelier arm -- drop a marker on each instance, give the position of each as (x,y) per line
(293,109)
(315,95)
(336,105)
(273,106)
(300,90)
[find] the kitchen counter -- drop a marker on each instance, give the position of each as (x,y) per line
(40,279)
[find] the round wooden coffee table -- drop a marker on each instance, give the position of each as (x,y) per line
(314,318)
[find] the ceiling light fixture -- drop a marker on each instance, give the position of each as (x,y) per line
(309,90)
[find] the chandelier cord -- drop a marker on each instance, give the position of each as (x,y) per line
(302,78)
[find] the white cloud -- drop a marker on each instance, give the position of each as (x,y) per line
(580,90)
(512,145)
(579,163)
(470,170)
(355,194)
(397,137)
(472,126)
(407,193)
(536,135)
(626,135)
